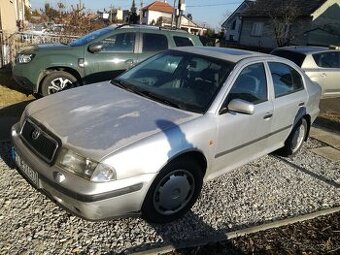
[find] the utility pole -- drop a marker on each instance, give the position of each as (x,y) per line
(181,8)
(174,15)
(141,12)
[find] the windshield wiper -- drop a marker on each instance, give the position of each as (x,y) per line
(145,93)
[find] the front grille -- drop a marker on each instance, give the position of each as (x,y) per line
(42,144)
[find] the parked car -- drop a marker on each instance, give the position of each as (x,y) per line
(321,64)
(146,141)
(97,56)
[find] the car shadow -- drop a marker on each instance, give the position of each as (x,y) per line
(175,233)
(8,117)
(7,80)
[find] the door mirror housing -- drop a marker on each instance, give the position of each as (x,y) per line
(241,106)
(96,47)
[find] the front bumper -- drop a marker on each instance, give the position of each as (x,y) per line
(22,73)
(88,200)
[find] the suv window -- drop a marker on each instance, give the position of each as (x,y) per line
(251,85)
(286,80)
(119,42)
(182,41)
(296,57)
(327,59)
(154,42)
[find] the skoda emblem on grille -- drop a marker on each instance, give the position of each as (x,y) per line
(35,134)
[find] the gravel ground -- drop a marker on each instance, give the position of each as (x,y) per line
(265,190)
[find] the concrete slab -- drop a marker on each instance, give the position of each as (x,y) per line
(328,153)
(330,138)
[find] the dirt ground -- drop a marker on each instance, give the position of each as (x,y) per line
(318,236)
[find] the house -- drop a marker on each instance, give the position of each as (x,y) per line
(12,14)
(161,14)
(272,23)
(232,25)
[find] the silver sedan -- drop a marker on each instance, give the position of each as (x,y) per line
(145,142)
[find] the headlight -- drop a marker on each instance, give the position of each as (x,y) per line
(86,168)
(24,58)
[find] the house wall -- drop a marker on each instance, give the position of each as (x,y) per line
(267,38)
(8,16)
(154,16)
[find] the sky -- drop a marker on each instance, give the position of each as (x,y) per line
(211,13)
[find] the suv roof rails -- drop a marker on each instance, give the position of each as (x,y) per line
(151,27)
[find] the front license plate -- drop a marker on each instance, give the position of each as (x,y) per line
(28,172)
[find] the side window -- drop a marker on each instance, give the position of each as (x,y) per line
(251,85)
(286,80)
(154,42)
(124,42)
(327,59)
(182,41)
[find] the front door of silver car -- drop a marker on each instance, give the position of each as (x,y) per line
(251,87)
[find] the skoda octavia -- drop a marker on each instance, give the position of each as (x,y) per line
(145,142)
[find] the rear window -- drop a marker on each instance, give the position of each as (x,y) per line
(296,57)
(327,59)
(182,41)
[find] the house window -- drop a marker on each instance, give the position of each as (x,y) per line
(257,29)
(233,26)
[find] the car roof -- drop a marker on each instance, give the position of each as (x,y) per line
(229,54)
(304,49)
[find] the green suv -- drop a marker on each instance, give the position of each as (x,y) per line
(100,55)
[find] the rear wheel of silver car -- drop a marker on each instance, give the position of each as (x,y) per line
(295,140)
(57,81)
(173,192)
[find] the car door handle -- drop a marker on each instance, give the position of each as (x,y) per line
(323,75)
(267,116)
(301,104)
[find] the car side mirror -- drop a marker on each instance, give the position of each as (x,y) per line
(96,47)
(241,106)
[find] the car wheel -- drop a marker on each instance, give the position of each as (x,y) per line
(57,81)
(295,140)
(173,192)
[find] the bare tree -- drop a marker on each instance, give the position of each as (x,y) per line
(282,14)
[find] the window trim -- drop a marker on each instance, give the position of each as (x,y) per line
(257,29)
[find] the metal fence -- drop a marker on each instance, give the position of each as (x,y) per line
(10,44)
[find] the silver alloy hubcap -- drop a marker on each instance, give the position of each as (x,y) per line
(298,137)
(174,192)
(59,84)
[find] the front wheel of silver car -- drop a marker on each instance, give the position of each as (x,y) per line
(57,81)
(173,192)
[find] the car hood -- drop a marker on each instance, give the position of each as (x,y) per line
(98,119)
(43,47)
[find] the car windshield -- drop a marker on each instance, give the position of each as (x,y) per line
(179,79)
(89,37)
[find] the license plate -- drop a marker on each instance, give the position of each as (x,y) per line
(28,172)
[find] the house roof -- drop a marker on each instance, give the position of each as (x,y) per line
(159,7)
(262,8)
(238,11)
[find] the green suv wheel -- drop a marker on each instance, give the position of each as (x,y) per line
(57,81)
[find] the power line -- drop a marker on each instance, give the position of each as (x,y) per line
(211,5)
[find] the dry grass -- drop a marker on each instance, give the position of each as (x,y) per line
(10,93)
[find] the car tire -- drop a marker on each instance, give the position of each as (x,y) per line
(295,140)
(173,192)
(57,81)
